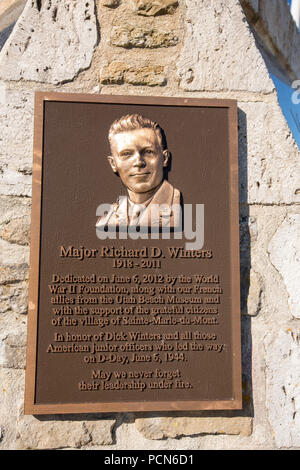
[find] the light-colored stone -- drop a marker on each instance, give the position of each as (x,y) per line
(11,404)
(283,387)
(13,350)
(154,7)
(16,142)
(150,75)
(52,42)
(12,254)
(269,170)
(254,294)
(168,427)
(273,301)
(14,183)
(130,36)
(14,297)
(101,431)
(251,282)
(13,289)
(252,285)
(284,252)
(12,208)
(14,273)
(219,52)
(119,72)
(13,338)
(51,434)
(17,231)
(113,73)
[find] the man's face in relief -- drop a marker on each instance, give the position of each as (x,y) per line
(138,158)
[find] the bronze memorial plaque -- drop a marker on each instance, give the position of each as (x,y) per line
(134,271)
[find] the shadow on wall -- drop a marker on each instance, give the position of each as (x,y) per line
(245,265)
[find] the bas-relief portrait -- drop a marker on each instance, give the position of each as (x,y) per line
(140,157)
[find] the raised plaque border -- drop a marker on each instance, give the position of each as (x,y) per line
(30,408)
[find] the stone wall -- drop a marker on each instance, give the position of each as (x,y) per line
(194,48)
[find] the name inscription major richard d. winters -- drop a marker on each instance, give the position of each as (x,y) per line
(83,252)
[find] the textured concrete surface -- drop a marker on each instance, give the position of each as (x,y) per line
(161,428)
(16,135)
(272,173)
(283,397)
(217,39)
(153,8)
(52,42)
(118,72)
(284,254)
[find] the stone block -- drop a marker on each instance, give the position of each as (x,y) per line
(13,274)
(119,73)
(12,254)
(14,183)
(101,431)
(52,42)
(169,427)
(14,297)
(12,208)
(57,432)
(13,338)
(149,75)
(284,255)
(113,73)
(219,51)
(283,387)
(11,403)
(269,171)
(54,433)
(130,36)
(154,7)
(13,350)
(17,231)
(16,142)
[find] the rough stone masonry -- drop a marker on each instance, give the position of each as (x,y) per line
(194,48)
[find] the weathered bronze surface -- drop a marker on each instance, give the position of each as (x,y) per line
(134,306)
